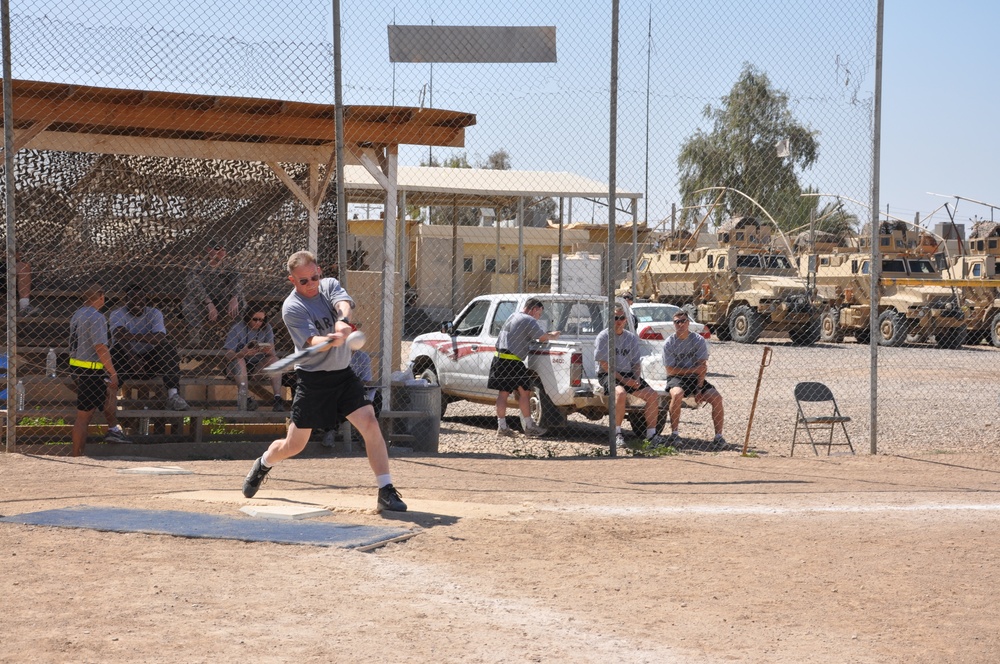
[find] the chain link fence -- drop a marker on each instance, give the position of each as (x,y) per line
(173,156)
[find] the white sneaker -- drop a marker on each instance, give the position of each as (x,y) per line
(532,430)
(176,402)
(620,440)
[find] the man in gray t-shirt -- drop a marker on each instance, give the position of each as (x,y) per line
(317,313)
(508,373)
(685,357)
(92,369)
(628,378)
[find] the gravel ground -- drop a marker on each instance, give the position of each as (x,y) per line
(929,399)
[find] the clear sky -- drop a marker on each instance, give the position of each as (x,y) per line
(939,77)
(939,107)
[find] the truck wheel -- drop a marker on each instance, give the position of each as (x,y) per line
(829,327)
(691,310)
(638,421)
(951,338)
(544,413)
(806,335)
(430,375)
(892,328)
(745,325)
(995,331)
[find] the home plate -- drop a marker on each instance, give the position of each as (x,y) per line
(155,470)
(287,512)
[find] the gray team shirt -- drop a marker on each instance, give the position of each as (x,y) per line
(315,316)
(627,353)
(240,335)
(517,334)
(686,353)
(87,328)
(150,322)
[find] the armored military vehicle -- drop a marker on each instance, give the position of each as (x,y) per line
(975,273)
(741,288)
(913,302)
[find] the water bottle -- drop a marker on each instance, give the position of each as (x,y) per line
(241,396)
(144,423)
(50,363)
(19,395)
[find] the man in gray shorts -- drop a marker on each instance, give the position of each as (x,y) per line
(318,313)
(685,357)
(508,373)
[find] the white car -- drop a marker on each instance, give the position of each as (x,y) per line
(655,321)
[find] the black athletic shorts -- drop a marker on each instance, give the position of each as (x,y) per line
(602,379)
(689,383)
(324,399)
(506,375)
(91,389)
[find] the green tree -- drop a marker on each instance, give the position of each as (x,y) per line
(741,152)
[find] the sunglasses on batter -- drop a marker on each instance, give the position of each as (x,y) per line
(303,282)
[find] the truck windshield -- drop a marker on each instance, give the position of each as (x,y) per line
(921,266)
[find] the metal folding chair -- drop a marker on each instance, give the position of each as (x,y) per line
(818,411)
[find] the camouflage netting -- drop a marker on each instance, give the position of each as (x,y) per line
(118,219)
(984,229)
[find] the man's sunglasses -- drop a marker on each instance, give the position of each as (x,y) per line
(620,318)
(315,277)
(682,320)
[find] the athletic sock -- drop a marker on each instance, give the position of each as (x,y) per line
(264,462)
(501,422)
(650,432)
(172,391)
(383,480)
(673,432)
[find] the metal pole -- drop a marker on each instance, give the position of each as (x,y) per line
(8,160)
(876,263)
(612,188)
(559,254)
(635,240)
(520,245)
(339,138)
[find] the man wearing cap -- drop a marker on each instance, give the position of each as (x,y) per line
(93,370)
(685,357)
(627,296)
(213,290)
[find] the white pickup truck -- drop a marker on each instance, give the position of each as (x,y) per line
(458,358)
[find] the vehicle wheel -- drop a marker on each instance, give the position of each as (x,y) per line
(829,327)
(691,310)
(722,331)
(638,421)
(543,412)
(995,331)
(745,325)
(892,328)
(806,335)
(430,375)
(863,336)
(951,338)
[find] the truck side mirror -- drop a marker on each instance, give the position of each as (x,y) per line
(447,327)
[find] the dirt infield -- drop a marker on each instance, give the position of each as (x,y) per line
(681,559)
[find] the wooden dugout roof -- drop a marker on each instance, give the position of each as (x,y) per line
(76,118)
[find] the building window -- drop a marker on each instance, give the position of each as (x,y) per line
(515,265)
(490,265)
(467,264)
(545,271)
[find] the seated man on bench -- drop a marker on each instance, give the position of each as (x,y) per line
(139,346)
(249,348)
